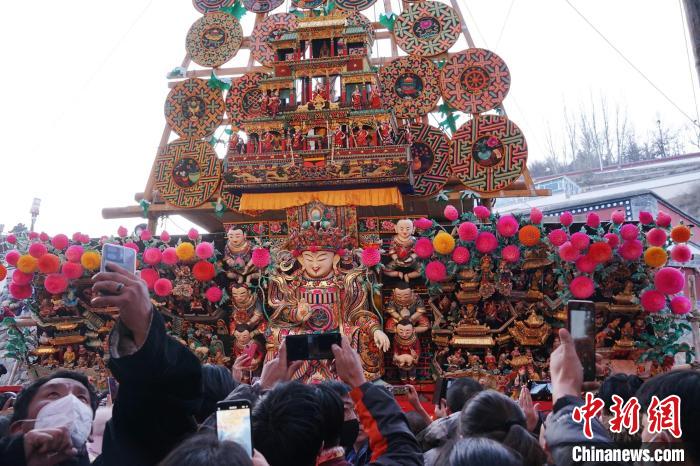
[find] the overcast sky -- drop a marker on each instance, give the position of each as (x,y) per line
(83,86)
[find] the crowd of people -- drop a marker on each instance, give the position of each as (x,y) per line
(165,412)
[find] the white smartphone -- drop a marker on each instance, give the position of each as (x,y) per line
(118,255)
(233,423)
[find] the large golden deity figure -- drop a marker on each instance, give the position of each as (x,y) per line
(310,293)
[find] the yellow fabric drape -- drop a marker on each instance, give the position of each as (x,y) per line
(351,197)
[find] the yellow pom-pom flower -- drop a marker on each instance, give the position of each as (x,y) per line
(655,257)
(27,264)
(185,252)
(91,260)
(443,243)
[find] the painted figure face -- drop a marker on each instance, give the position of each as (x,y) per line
(404,331)
(317,264)
(403,296)
(240,295)
(243,338)
(236,237)
(404,229)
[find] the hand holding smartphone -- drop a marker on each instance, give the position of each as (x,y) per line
(581,326)
(233,423)
(311,346)
(118,255)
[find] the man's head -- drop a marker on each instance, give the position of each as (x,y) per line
(460,392)
(45,390)
(287,425)
(333,415)
(622,385)
(351,425)
(686,385)
(205,449)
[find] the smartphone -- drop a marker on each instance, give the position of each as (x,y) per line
(118,255)
(397,389)
(311,346)
(581,325)
(540,390)
(233,423)
(441,387)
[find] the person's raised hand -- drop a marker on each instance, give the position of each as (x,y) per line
(412,395)
(566,368)
(278,370)
(259,459)
(348,364)
(241,363)
(47,447)
(124,290)
(441,409)
(529,409)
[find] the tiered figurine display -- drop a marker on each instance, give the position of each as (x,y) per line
(330,147)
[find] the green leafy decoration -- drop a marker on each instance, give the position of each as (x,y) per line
(298,13)
(236,10)
(440,64)
(388,20)
(443,195)
(178,72)
(216,83)
(219,209)
(450,121)
(330,6)
(145,205)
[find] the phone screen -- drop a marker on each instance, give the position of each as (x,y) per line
(582,328)
(540,390)
(311,346)
(233,424)
(119,255)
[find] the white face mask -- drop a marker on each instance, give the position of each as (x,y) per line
(67,412)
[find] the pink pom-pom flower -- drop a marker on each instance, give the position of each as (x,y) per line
(617,217)
(146,235)
(122,232)
(132,245)
(680,305)
(213,294)
(85,238)
(653,301)
(511,254)
(74,253)
(152,256)
(12,239)
(566,218)
(507,226)
(169,256)
(681,253)
(150,276)
(582,287)
(629,232)
(163,287)
(436,271)
(193,234)
(204,250)
(22,278)
(12,257)
(593,220)
(612,239)
(486,242)
(460,255)
(631,250)
(55,283)
(165,236)
(645,218)
(585,264)
(76,236)
(481,212)
(33,235)
(663,219)
(535,216)
(580,240)
(669,280)
(20,291)
(568,252)
(423,223)
(371,257)
(423,248)
(72,270)
(60,241)
(657,237)
(557,237)
(467,231)
(451,213)
(37,250)
(261,257)
(43,237)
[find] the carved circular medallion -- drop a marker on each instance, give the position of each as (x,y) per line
(244,99)
(488,153)
(261,6)
(355,5)
(427,28)
(430,161)
(307,4)
(358,19)
(214,39)
(187,172)
(230,200)
(193,109)
(410,85)
(475,80)
(207,6)
(271,28)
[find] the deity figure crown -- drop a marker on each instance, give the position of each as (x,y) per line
(318,236)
